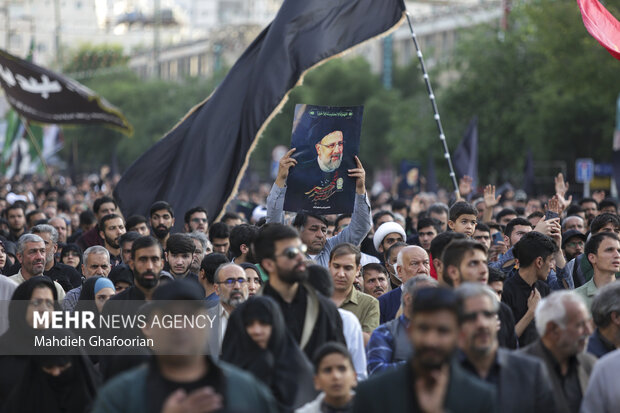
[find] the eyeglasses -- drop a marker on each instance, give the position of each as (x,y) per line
(332,146)
(473,316)
(197,220)
(232,281)
(574,244)
(42,303)
(292,252)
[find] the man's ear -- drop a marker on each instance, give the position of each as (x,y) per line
(268,265)
(451,224)
(451,273)
(539,261)
(592,258)
(187,228)
(506,240)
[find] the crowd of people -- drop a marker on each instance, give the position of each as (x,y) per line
(488,302)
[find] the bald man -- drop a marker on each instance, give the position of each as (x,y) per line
(411,261)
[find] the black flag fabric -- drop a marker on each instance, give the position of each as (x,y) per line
(466,154)
(40,95)
(202,159)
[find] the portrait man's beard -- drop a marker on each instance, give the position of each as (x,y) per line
(161,231)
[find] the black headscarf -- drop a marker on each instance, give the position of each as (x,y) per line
(86,302)
(73,391)
(282,365)
(72,248)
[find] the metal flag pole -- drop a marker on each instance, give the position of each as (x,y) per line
(431,96)
(37,148)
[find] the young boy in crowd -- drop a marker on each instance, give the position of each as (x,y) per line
(463,218)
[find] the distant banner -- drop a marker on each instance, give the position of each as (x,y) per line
(327,139)
(41,95)
(409,184)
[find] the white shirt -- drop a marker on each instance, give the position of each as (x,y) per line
(223,324)
(352,330)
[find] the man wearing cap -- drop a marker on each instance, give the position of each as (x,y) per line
(179,377)
(388,234)
(411,261)
(573,242)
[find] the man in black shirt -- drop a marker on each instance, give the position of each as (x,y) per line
(523,291)
(311,318)
(65,275)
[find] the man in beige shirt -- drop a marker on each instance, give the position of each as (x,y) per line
(603,252)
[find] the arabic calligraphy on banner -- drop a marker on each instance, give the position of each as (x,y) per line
(43,96)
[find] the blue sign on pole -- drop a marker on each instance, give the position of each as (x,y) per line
(584,170)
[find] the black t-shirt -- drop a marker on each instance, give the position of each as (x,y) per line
(515,295)
(159,388)
(294,313)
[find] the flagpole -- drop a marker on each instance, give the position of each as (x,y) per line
(431,96)
(38,149)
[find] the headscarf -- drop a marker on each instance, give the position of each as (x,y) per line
(121,272)
(282,365)
(72,248)
(86,302)
(73,391)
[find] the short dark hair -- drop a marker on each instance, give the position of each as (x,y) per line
(107,218)
(230,215)
(31,213)
(210,263)
(373,266)
(535,214)
(601,220)
(145,242)
(242,234)
(346,249)
(87,217)
(103,200)
(15,205)
(455,251)
(462,208)
(510,226)
(134,221)
(327,349)
(159,205)
(481,226)
(398,204)
(393,247)
(587,200)
(378,215)
(180,244)
(429,222)
(128,237)
(433,299)
(192,211)
(340,218)
(264,244)
(438,244)
(573,210)
(301,219)
(595,241)
(531,246)
(506,211)
(218,230)
(496,274)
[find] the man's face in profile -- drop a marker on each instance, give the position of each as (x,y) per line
(330,150)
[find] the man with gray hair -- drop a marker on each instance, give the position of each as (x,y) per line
(389,345)
(31,255)
(562,321)
(63,274)
(96,262)
(606,317)
(200,241)
(231,285)
(520,379)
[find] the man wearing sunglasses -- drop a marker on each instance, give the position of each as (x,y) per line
(313,228)
(311,318)
(520,379)
(231,285)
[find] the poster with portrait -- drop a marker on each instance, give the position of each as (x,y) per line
(327,139)
(409,184)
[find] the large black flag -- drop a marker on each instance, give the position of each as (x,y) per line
(43,96)
(201,160)
(466,154)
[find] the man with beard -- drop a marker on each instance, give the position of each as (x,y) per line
(231,286)
(180,250)
(16,217)
(573,242)
(196,220)
(311,318)
(432,381)
(101,207)
(200,242)
(521,380)
(111,228)
(563,323)
(375,279)
(63,274)
(241,239)
(162,221)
